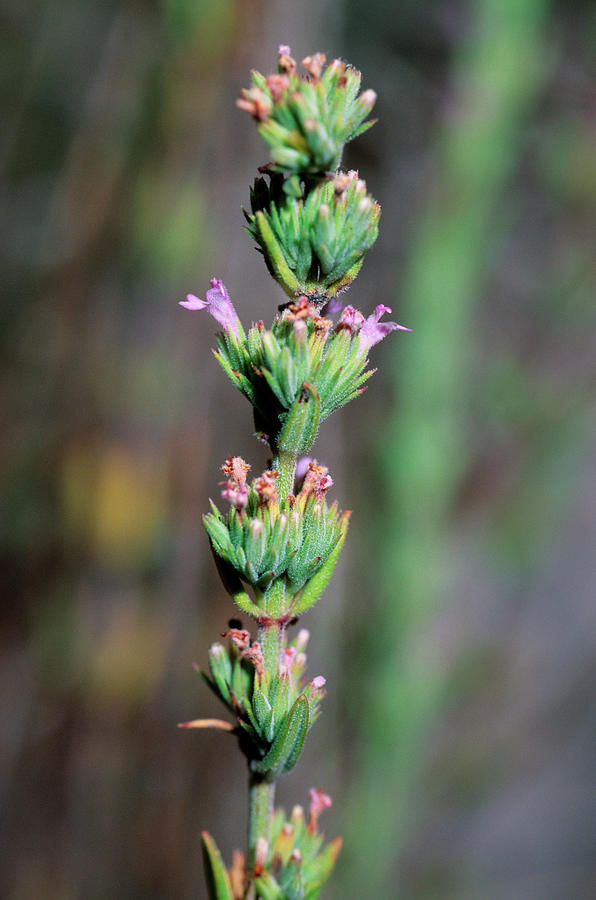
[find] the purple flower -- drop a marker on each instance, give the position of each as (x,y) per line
(219,305)
(236,493)
(302,467)
(332,306)
(374,331)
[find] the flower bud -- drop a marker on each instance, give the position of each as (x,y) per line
(368,99)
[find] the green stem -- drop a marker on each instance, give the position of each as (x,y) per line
(285,463)
(271,637)
(261,795)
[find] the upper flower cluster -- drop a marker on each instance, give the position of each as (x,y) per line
(307,119)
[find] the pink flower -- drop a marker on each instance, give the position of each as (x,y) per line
(350,320)
(318,802)
(316,481)
(236,493)
(219,305)
(374,330)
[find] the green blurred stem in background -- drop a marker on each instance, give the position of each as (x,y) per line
(496,81)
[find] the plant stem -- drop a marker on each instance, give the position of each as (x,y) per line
(285,463)
(271,637)
(261,795)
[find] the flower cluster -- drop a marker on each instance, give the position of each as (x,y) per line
(274,710)
(313,244)
(302,369)
(307,119)
(281,547)
(295,864)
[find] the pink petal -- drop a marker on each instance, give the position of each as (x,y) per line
(193,302)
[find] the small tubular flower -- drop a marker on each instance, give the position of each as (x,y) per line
(374,330)
(219,305)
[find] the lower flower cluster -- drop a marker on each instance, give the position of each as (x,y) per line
(294,866)
(273,712)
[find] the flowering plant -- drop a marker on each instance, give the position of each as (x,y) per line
(279,540)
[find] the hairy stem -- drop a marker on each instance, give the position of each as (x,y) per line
(271,637)
(261,795)
(285,463)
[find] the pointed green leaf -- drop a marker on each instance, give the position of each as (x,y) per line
(279,266)
(302,422)
(287,746)
(234,586)
(313,589)
(218,880)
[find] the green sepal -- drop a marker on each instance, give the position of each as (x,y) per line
(268,888)
(287,746)
(302,422)
(250,713)
(281,695)
(218,880)
(221,672)
(321,867)
(263,711)
(313,589)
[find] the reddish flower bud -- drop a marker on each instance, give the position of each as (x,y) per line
(318,802)
(265,487)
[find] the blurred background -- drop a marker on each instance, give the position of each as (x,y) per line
(459,636)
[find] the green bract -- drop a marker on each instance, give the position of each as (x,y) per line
(289,366)
(276,549)
(313,246)
(307,120)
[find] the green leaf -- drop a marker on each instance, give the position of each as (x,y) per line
(313,589)
(287,746)
(234,586)
(302,422)
(280,268)
(218,880)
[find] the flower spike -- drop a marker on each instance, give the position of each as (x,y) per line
(278,539)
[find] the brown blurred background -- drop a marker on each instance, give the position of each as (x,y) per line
(459,637)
